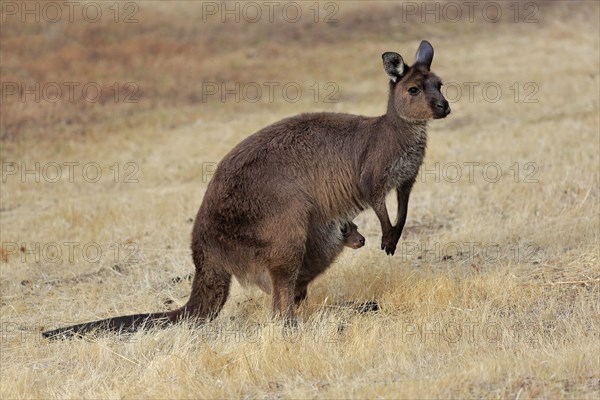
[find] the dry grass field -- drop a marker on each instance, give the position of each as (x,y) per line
(494,291)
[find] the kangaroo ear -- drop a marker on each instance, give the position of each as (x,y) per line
(424,54)
(393,65)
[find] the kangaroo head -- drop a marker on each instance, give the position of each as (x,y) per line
(415,90)
(352,238)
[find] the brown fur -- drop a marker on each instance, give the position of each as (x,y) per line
(277,201)
(322,247)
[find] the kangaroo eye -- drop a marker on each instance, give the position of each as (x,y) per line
(413,91)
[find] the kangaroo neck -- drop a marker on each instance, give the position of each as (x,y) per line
(406,131)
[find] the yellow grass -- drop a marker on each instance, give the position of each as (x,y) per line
(494,291)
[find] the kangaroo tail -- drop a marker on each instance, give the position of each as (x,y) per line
(125,323)
(210,290)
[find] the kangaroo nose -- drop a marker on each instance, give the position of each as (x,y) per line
(443,105)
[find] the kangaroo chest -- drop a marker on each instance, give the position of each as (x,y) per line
(405,166)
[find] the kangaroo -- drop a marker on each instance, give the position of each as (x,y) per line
(255,219)
(321,250)
(352,238)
